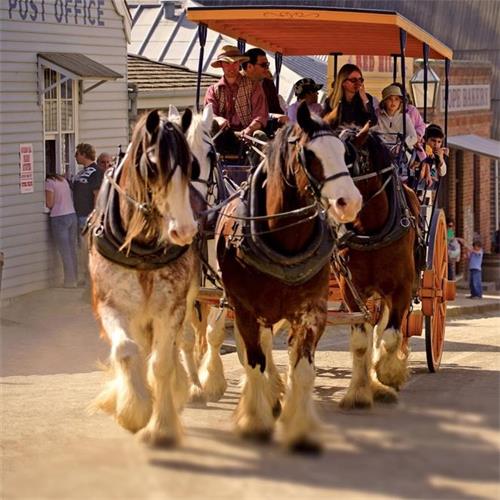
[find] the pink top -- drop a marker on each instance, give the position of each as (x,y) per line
(258,103)
(416,119)
(63,198)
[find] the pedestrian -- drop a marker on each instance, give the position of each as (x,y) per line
(86,184)
(475,270)
(63,225)
(104,161)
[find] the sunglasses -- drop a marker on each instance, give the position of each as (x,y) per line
(263,65)
(354,80)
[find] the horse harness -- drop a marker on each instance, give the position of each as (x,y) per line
(108,235)
(249,227)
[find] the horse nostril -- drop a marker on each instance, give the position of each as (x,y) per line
(341,202)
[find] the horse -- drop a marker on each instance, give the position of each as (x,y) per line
(379,253)
(205,330)
(142,269)
(274,249)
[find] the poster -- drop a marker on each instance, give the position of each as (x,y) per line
(26,183)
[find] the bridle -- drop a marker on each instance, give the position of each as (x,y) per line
(315,186)
(144,164)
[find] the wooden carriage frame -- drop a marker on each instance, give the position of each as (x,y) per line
(302,31)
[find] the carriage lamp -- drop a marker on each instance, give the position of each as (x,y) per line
(417,88)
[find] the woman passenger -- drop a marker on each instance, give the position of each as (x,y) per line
(348,103)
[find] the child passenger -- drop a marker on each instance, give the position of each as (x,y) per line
(390,118)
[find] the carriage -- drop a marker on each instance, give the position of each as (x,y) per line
(328,31)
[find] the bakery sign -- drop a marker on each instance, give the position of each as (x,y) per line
(26,168)
(467,97)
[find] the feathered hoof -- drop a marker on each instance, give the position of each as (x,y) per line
(214,392)
(133,416)
(306,446)
(196,396)
(384,394)
(277,409)
(357,399)
(394,374)
(157,439)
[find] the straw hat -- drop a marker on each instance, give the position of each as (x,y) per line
(391,90)
(229,54)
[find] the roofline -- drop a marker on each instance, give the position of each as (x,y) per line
(201,14)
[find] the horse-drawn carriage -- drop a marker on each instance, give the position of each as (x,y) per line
(311,30)
(278,238)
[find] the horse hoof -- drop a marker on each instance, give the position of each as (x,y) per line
(386,395)
(155,439)
(306,446)
(277,409)
(356,401)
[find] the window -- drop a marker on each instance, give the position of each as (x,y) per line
(59,117)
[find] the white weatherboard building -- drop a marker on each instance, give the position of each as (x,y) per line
(63,68)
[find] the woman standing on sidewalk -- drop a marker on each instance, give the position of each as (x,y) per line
(63,224)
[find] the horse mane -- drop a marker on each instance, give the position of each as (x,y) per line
(140,174)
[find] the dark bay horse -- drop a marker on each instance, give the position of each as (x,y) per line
(143,268)
(276,267)
(380,257)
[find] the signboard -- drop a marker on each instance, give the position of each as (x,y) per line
(26,184)
(467,97)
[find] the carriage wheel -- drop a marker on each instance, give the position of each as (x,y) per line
(435,280)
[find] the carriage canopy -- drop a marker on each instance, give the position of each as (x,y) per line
(319,30)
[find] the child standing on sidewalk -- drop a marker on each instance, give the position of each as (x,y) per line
(475,263)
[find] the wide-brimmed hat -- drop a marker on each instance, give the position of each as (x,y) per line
(306,85)
(391,90)
(229,54)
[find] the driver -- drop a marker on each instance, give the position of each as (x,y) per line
(239,103)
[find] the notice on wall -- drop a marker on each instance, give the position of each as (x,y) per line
(26,183)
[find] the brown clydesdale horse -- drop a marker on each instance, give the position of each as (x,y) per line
(306,178)
(380,257)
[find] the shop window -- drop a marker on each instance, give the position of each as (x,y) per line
(59,118)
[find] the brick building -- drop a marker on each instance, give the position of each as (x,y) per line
(466,191)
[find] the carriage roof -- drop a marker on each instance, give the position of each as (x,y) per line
(319,30)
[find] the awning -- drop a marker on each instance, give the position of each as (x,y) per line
(318,30)
(73,66)
(77,66)
(476,144)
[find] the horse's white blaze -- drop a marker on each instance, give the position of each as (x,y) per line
(344,197)
(199,140)
(181,226)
